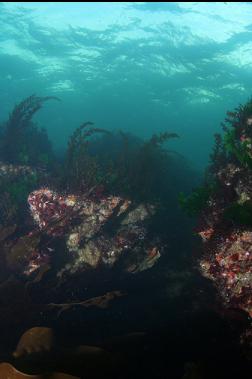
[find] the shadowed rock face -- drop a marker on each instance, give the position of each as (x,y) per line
(37,350)
(10,372)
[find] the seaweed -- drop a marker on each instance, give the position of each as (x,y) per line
(137,169)
(240,149)
(21,141)
(81,170)
(233,147)
(13,196)
(120,162)
(240,214)
(194,203)
(236,142)
(150,169)
(218,157)
(21,187)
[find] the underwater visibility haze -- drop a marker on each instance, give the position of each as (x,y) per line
(125,190)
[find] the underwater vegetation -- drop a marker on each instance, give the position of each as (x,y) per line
(97,206)
(225,213)
(195,202)
(239,214)
(140,170)
(144,171)
(237,137)
(81,168)
(109,208)
(232,147)
(25,152)
(14,192)
(121,163)
(22,142)
(114,162)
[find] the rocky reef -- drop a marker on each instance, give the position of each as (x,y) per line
(225,213)
(97,205)
(97,230)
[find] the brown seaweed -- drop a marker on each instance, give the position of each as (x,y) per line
(35,340)
(101,302)
(7,371)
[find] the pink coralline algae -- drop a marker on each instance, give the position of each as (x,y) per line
(98,230)
(227,244)
(226,220)
(52,211)
(227,247)
(228,263)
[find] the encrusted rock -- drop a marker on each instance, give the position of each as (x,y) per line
(97,231)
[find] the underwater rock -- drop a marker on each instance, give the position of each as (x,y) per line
(98,232)
(11,170)
(23,255)
(226,231)
(38,347)
(7,371)
(120,238)
(34,340)
(20,255)
(228,265)
(226,220)
(142,261)
(47,206)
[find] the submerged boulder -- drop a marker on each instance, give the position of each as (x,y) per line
(99,231)
(225,228)
(225,222)
(228,263)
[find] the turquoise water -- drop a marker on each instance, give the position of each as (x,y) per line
(140,67)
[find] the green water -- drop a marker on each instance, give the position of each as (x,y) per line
(138,67)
